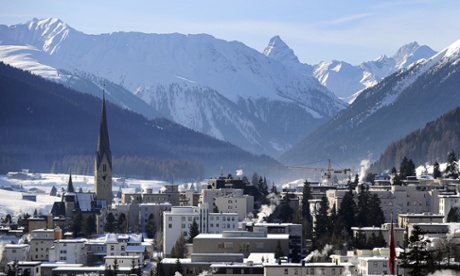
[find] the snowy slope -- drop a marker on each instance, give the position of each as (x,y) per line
(348,81)
(11,201)
(241,79)
(396,106)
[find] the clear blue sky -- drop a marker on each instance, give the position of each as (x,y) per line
(317,30)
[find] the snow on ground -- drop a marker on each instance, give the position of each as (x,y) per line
(11,190)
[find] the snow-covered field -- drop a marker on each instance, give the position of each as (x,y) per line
(11,190)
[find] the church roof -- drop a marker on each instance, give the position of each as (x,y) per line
(70,188)
(103,143)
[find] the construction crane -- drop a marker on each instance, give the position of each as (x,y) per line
(327,171)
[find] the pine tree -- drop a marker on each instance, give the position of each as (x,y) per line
(278,251)
(89,226)
(451,166)
(109,226)
(53,191)
(179,249)
(454,214)
(347,212)
(77,225)
(122,223)
(151,227)
(286,212)
(306,196)
(416,258)
(193,231)
(436,171)
(322,226)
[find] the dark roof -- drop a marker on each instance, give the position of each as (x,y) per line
(58,209)
(103,143)
(70,188)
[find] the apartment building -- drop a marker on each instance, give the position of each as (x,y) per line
(41,242)
(177,223)
(69,251)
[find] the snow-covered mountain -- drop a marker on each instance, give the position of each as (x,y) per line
(396,106)
(224,89)
(348,81)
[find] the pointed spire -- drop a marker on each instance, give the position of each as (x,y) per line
(103,143)
(70,188)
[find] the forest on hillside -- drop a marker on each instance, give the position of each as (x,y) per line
(427,145)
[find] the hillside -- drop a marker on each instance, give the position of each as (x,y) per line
(398,105)
(42,123)
(220,88)
(427,145)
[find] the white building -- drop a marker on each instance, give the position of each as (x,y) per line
(177,223)
(68,251)
(12,252)
(447,202)
(40,243)
(236,203)
(375,265)
(157,209)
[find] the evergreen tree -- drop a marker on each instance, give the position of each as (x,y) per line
(416,257)
(8,219)
(193,231)
(306,196)
(179,249)
(150,227)
(436,171)
(451,166)
(278,251)
(89,226)
(109,226)
(363,206)
(307,222)
(53,191)
(286,213)
(77,225)
(255,180)
(407,168)
(454,215)
(346,214)
(375,216)
(122,224)
(274,190)
(322,226)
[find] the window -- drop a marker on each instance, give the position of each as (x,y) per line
(170,225)
(112,247)
(183,218)
(169,218)
(183,225)
(122,247)
(228,245)
(286,271)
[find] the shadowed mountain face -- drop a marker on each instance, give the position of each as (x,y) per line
(42,123)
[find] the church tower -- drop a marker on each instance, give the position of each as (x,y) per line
(103,161)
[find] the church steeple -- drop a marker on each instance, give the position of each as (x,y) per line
(103,143)
(70,188)
(103,161)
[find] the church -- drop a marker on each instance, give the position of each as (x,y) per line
(89,203)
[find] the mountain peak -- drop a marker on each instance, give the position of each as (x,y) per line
(49,33)
(277,49)
(410,53)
